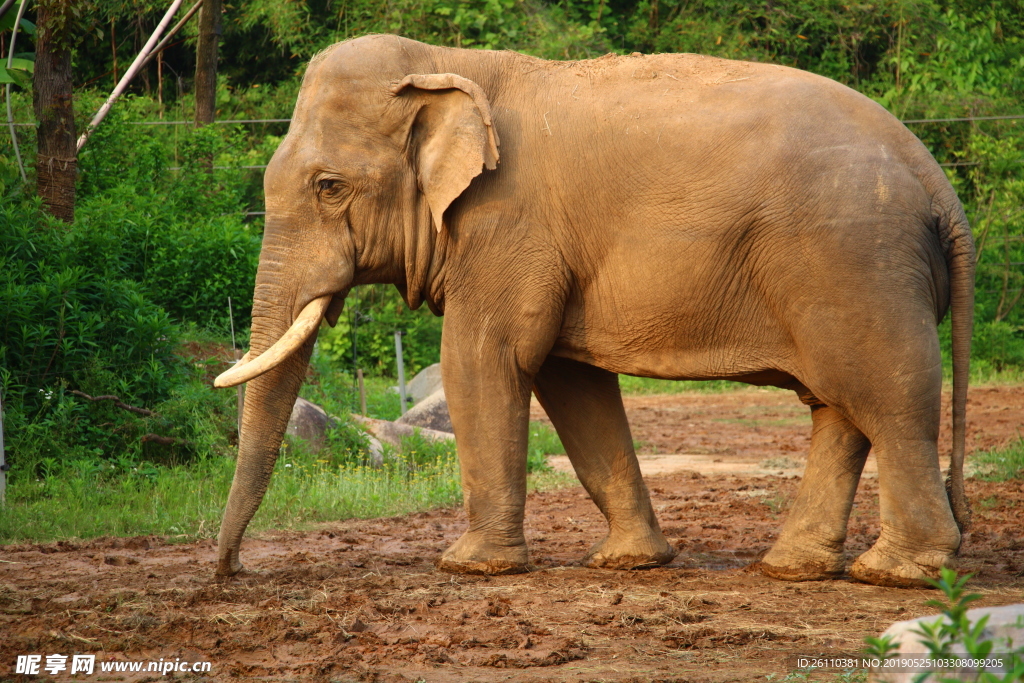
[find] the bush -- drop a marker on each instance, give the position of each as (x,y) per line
(99,306)
(180,234)
(65,316)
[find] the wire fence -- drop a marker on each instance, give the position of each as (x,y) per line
(1008,117)
(189,123)
(951,164)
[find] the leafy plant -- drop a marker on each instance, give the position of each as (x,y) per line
(954,630)
(23,63)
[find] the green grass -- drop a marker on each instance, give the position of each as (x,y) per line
(1000,464)
(544,439)
(89,498)
(187,501)
(984,373)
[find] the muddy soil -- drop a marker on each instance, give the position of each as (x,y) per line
(360,600)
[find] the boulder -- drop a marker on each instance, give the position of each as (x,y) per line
(393,432)
(430,413)
(426,382)
(1005,628)
(309,422)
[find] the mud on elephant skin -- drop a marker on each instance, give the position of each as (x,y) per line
(670,216)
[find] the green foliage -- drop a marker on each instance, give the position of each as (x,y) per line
(7,22)
(955,630)
(953,58)
(952,631)
(64,20)
(365,334)
(97,306)
(179,234)
(63,315)
(19,69)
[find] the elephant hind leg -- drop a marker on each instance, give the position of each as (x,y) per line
(810,546)
(585,406)
(893,399)
(919,535)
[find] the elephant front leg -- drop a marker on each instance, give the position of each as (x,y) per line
(810,546)
(489,402)
(585,406)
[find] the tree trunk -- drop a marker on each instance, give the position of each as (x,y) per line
(56,155)
(206,62)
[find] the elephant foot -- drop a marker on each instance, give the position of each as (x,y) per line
(228,564)
(802,564)
(471,554)
(618,552)
(883,567)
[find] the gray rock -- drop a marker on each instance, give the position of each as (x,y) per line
(430,413)
(426,382)
(310,422)
(376,451)
(393,432)
(1005,628)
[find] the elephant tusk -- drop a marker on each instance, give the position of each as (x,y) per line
(305,324)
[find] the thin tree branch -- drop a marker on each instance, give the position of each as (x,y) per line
(164,440)
(988,224)
(117,402)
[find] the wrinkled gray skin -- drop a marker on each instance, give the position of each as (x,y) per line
(670,216)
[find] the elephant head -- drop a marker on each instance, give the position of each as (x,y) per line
(356,193)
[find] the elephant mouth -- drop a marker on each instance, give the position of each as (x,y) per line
(306,324)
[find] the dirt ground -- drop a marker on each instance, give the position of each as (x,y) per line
(360,600)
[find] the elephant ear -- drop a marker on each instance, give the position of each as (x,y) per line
(452,138)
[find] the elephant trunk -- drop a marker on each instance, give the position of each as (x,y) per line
(268,406)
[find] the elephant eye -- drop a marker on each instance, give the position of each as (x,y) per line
(330,187)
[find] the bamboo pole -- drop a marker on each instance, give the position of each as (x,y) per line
(170,34)
(7,91)
(130,74)
(160,82)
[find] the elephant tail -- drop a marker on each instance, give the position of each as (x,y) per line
(958,245)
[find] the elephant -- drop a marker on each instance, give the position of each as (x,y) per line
(673,216)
